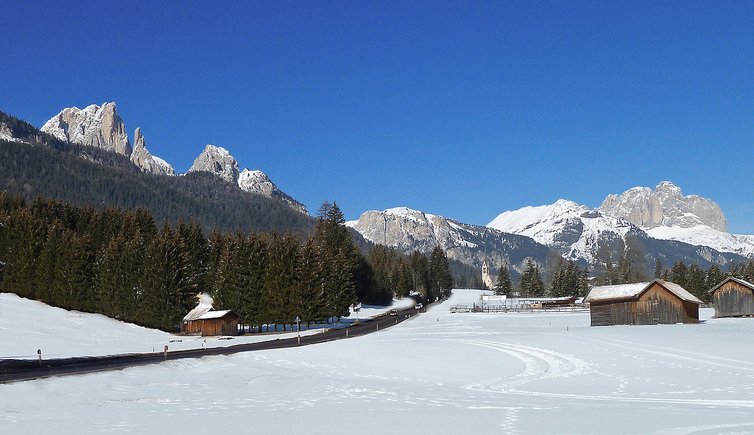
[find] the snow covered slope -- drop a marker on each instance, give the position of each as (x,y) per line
(439,373)
(571,229)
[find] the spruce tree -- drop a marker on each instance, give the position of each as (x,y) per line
(504,285)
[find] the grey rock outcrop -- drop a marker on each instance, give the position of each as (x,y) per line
(664,206)
(142,158)
(259,183)
(98,126)
(217,161)
(409,230)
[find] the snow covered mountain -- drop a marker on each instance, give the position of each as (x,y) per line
(574,230)
(665,206)
(258,182)
(219,162)
(410,230)
(640,216)
(101,127)
(665,213)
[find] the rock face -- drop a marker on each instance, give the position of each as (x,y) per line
(258,182)
(98,126)
(7,134)
(217,161)
(410,230)
(665,206)
(142,158)
(101,127)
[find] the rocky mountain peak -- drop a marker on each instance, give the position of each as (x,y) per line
(664,206)
(218,161)
(98,126)
(258,182)
(142,158)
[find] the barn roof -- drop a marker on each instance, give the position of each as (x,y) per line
(197,312)
(216,314)
(632,291)
(738,280)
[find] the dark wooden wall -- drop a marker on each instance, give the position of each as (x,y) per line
(655,306)
(733,299)
(221,326)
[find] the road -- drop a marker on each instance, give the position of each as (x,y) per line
(23,370)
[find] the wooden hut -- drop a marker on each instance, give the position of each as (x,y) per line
(733,297)
(645,303)
(223,322)
(191,323)
(204,320)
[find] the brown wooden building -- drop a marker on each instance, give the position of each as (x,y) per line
(645,303)
(205,321)
(733,297)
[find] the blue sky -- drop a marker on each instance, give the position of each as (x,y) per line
(464,109)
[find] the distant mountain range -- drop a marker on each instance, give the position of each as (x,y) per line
(660,224)
(102,127)
(653,224)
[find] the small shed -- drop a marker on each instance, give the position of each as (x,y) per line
(191,323)
(733,298)
(644,303)
(223,322)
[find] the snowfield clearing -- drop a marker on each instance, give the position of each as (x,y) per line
(438,373)
(27,325)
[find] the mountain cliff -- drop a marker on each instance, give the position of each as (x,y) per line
(97,126)
(220,163)
(102,127)
(142,158)
(665,206)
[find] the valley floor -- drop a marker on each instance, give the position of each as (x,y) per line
(438,373)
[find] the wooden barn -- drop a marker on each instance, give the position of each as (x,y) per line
(205,321)
(645,303)
(733,297)
(223,322)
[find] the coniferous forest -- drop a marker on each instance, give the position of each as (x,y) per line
(123,264)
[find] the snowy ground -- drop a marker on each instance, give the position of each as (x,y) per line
(438,373)
(27,325)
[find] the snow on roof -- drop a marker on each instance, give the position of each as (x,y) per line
(731,278)
(197,312)
(213,314)
(630,291)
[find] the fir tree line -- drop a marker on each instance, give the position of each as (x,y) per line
(122,264)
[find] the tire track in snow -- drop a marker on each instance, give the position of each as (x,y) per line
(538,364)
(543,364)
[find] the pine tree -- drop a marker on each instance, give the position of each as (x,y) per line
(530,283)
(440,278)
(504,286)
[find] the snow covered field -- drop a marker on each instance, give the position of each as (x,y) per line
(27,325)
(438,373)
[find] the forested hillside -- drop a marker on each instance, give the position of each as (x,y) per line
(122,264)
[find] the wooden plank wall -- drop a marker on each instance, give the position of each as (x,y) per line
(656,306)
(733,299)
